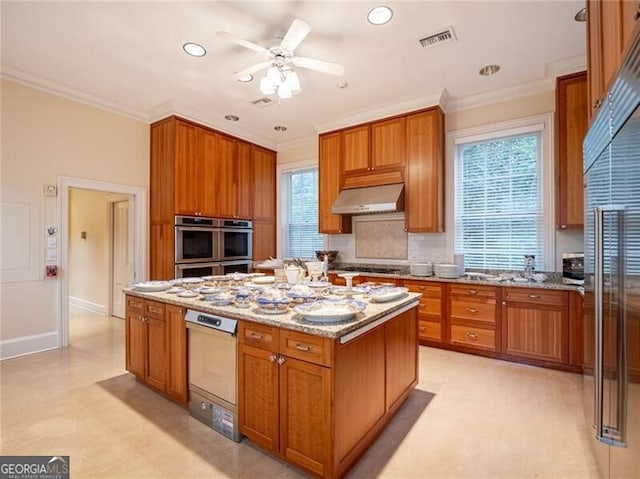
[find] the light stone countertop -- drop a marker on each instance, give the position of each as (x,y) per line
(289,319)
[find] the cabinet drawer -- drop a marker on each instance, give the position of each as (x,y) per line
(485,312)
(135,305)
(474,337)
(473,291)
(430,307)
(258,335)
(302,346)
(427,289)
(154,310)
(430,330)
(536,295)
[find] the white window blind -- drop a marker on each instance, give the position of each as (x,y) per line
(498,201)
(300,236)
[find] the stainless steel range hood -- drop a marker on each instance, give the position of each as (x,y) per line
(372,199)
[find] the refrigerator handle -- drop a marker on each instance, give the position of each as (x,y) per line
(612,435)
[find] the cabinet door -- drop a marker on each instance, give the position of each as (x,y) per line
(401,337)
(355,150)
(177,381)
(187,172)
(388,143)
(224,190)
(424,179)
(264,180)
(329,185)
(430,308)
(243,180)
(155,374)
(264,240)
(305,395)
(571,114)
(537,332)
(258,396)
(136,343)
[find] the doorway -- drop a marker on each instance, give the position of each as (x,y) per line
(126,213)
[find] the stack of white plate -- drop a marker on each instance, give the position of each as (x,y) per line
(447,270)
(421,269)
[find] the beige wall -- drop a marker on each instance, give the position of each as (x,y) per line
(44,136)
(88,260)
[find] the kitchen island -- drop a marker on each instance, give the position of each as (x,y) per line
(315,395)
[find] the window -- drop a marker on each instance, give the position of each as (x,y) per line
(300,237)
(499,200)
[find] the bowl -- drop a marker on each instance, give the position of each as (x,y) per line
(192,283)
(271,304)
(332,254)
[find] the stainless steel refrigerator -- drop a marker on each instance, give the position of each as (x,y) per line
(612,275)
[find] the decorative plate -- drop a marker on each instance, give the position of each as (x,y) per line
(382,295)
(152,286)
(330,311)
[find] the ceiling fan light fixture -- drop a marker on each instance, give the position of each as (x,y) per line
(273,76)
(293,81)
(266,87)
(284,91)
(194,49)
(379,15)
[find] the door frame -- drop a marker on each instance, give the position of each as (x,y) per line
(112,199)
(138,235)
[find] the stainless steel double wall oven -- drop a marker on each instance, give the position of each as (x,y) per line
(211,246)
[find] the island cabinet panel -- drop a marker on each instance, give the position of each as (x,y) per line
(136,337)
(330,152)
(536,324)
(177,380)
(424,178)
(401,358)
(571,127)
(305,414)
(474,316)
(431,309)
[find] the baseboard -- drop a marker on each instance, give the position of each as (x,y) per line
(36,343)
(88,306)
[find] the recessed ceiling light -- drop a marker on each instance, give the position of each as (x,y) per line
(342,85)
(280,128)
(194,49)
(246,78)
(581,16)
(231,117)
(489,70)
(379,15)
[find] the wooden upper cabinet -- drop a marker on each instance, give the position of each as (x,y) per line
(244,181)
(187,171)
(388,143)
(329,185)
(355,150)
(610,25)
(571,127)
(205,186)
(264,184)
(424,177)
(224,188)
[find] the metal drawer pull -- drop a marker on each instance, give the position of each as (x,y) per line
(273,358)
(423,329)
(256,335)
(472,336)
(534,296)
(134,304)
(153,310)
(303,348)
(281,360)
(472,310)
(473,291)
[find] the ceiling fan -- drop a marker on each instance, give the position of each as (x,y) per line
(280,76)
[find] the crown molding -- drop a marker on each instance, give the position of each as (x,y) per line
(384,111)
(63,91)
(304,142)
(567,66)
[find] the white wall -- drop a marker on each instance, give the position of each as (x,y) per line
(88,259)
(45,136)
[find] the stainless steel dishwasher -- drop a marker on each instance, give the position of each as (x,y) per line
(213,371)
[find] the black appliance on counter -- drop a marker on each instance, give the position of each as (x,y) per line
(612,274)
(573,268)
(211,246)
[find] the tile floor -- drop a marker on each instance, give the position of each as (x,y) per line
(469,417)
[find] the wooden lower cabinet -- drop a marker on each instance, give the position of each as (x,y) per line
(474,317)
(535,324)
(430,311)
(156,346)
(320,404)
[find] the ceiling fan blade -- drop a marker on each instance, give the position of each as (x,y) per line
(318,65)
(294,36)
(251,70)
(242,42)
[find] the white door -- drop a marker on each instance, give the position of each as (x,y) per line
(122,256)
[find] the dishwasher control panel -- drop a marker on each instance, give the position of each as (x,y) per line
(220,323)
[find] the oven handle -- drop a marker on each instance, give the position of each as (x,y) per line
(196,228)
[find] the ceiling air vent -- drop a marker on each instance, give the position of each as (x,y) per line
(444,36)
(262,102)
